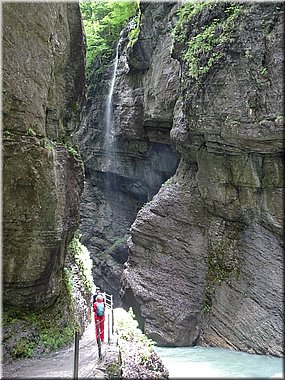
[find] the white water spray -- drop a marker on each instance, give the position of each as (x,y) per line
(109,117)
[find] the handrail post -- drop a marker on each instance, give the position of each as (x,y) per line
(98,338)
(112,311)
(109,332)
(76,355)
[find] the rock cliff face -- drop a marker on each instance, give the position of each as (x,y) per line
(43,82)
(211,240)
(126,167)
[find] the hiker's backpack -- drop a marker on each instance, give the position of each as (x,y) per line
(100,309)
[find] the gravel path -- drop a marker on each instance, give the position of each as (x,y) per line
(60,364)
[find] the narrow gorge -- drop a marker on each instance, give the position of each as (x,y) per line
(195,172)
(162,157)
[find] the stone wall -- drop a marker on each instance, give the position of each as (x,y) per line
(211,241)
(43,85)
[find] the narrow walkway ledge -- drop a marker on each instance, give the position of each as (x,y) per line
(129,355)
(60,364)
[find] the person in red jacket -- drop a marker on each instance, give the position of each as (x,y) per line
(99,316)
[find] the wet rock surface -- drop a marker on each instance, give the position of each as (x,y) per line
(125,170)
(211,240)
(43,86)
(42,181)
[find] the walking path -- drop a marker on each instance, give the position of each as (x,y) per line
(60,364)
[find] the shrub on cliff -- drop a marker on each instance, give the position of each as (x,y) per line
(103,22)
(29,333)
(139,360)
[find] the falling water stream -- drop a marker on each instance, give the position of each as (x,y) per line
(109,118)
(212,362)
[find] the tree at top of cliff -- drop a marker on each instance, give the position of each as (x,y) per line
(103,22)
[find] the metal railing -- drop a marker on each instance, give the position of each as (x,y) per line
(110,323)
(110,331)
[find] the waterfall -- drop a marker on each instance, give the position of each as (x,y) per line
(109,117)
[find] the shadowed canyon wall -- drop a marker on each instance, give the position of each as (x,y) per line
(126,166)
(43,85)
(210,242)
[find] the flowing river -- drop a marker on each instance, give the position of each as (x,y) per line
(212,362)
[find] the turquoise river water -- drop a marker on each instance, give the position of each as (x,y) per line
(212,362)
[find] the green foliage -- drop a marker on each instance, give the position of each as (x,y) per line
(31,132)
(53,338)
(68,280)
(103,22)
(264,71)
(23,349)
(49,144)
(81,257)
(119,242)
(71,150)
(185,14)
(49,328)
(6,133)
(128,331)
(113,371)
(135,27)
(223,263)
(204,44)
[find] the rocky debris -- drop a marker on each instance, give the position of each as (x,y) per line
(43,83)
(211,240)
(134,368)
(109,366)
(137,356)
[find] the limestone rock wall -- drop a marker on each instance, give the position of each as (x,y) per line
(43,85)
(125,170)
(211,240)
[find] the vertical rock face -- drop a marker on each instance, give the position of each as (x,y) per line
(127,167)
(211,241)
(43,82)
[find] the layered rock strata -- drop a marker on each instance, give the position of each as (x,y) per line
(126,166)
(43,84)
(210,243)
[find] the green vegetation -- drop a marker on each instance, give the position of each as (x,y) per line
(6,133)
(45,330)
(128,332)
(117,244)
(31,132)
(223,263)
(135,30)
(50,328)
(82,260)
(71,150)
(204,43)
(103,22)
(24,348)
(49,144)
(53,339)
